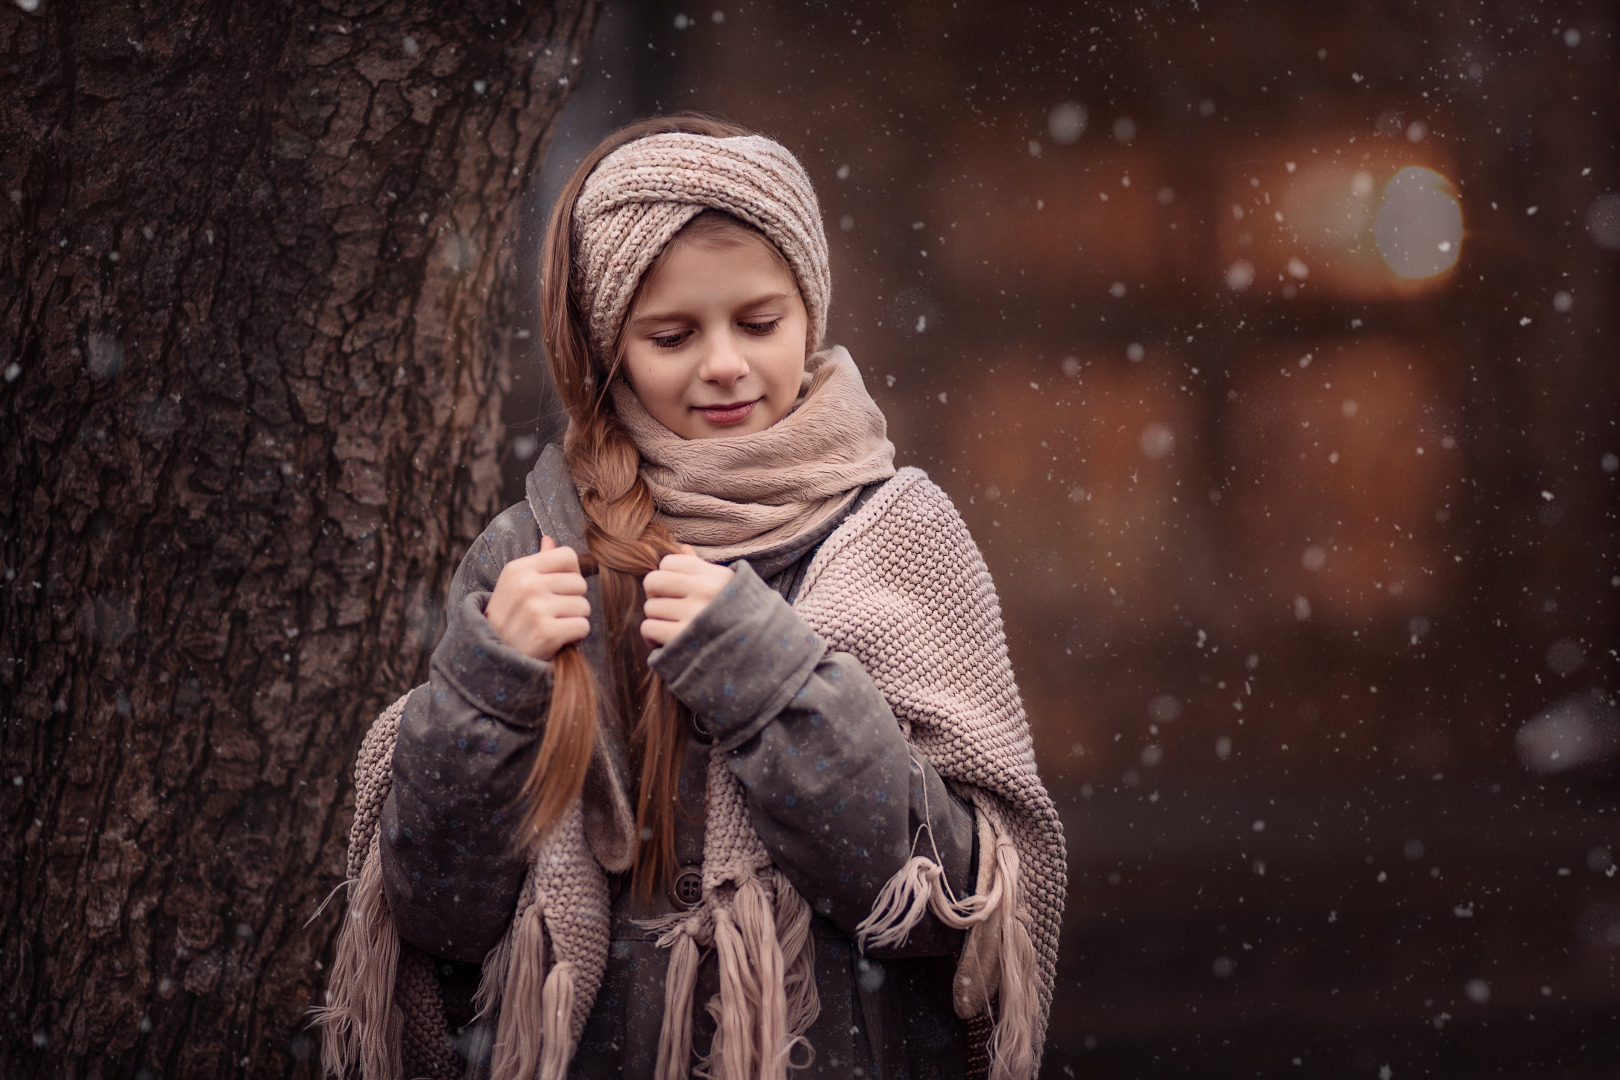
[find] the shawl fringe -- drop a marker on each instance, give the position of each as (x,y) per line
(998,959)
(520,1027)
(361,1023)
(557,1001)
(799,981)
(760,933)
(680,984)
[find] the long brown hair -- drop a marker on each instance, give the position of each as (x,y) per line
(625,544)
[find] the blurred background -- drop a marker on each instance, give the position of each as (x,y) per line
(1270,350)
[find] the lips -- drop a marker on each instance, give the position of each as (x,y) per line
(731,413)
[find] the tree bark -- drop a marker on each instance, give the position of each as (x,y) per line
(255,301)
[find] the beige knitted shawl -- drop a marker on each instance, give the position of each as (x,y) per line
(901,586)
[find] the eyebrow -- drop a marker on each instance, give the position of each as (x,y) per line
(671,316)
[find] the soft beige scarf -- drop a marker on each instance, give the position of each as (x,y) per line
(728,497)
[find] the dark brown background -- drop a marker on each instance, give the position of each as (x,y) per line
(1369,875)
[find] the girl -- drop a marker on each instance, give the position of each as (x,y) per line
(720,767)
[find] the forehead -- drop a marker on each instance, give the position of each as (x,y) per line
(736,262)
(717,230)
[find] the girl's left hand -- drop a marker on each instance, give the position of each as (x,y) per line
(681,587)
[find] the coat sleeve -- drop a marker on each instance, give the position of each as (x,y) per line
(839,797)
(466,742)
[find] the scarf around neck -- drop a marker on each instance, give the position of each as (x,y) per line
(731,496)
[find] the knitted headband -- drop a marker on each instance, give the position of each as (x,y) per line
(639,196)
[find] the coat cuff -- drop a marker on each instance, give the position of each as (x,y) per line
(740,662)
(493,677)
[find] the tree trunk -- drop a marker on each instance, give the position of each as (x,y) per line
(254,306)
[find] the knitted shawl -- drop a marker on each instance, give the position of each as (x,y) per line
(901,586)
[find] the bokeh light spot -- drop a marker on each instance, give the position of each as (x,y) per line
(1603,221)
(1066,123)
(1419,227)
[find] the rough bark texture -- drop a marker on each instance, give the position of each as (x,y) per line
(255,269)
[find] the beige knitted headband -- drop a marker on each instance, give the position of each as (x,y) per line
(644,192)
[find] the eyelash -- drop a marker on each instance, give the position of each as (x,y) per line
(676,340)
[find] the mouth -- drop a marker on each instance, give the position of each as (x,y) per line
(732,413)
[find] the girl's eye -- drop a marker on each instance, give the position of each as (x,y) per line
(671,340)
(761,327)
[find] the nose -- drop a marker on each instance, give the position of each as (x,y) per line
(723,362)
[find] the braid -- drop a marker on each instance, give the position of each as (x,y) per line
(625,544)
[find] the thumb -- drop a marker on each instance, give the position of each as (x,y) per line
(547,543)
(688,549)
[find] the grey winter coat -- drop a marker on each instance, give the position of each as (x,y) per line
(834,792)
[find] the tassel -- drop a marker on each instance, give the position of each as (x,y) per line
(709,1067)
(998,959)
(492,977)
(1012,1049)
(997,964)
(900,905)
(987,892)
(799,952)
(556,1039)
(361,1022)
(734,1049)
(767,998)
(342,886)
(522,1016)
(479,1049)
(978,972)
(680,984)
(757,929)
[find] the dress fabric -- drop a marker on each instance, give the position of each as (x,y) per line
(834,790)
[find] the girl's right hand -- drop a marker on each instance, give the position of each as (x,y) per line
(539,603)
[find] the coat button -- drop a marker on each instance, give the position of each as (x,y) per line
(699,729)
(686,891)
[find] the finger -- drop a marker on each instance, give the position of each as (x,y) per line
(567,631)
(664,610)
(564,583)
(546,542)
(555,560)
(688,549)
(682,564)
(657,633)
(666,583)
(548,560)
(564,607)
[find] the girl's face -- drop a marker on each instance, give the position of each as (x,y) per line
(715,342)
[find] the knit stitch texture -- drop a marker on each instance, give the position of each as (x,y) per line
(728,497)
(639,196)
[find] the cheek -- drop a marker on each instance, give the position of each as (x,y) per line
(785,383)
(642,384)
(646,377)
